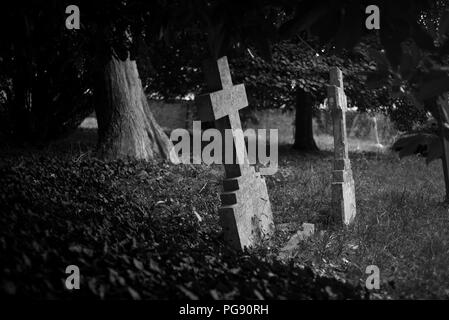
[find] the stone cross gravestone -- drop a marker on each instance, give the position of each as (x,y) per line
(245,214)
(343,193)
(443,108)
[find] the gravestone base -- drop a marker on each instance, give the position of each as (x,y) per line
(343,195)
(245,215)
(308,230)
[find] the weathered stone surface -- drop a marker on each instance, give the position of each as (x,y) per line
(343,192)
(245,214)
(308,229)
(170,115)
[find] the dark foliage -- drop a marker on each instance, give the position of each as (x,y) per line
(134,230)
(45,82)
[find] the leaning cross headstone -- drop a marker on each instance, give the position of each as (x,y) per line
(443,108)
(245,214)
(343,193)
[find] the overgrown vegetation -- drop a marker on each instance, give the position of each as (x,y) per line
(150,230)
(135,230)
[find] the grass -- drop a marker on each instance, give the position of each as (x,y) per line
(326,142)
(402,225)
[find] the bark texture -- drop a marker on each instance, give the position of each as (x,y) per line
(126,125)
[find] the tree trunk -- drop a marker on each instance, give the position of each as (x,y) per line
(304,140)
(126,125)
(22,104)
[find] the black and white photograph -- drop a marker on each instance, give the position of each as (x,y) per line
(224,155)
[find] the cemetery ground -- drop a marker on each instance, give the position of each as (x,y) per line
(150,230)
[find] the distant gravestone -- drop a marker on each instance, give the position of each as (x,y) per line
(170,115)
(343,193)
(245,214)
